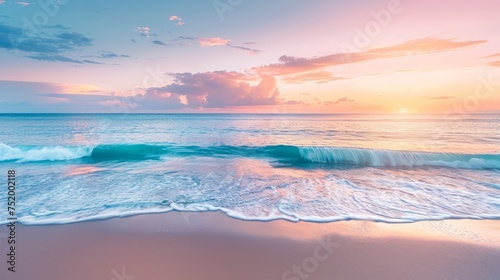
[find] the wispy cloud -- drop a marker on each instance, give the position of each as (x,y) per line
(318,77)
(14,38)
(216,41)
(44,46)
(158,42)
(108,54)
(143,31)
(340,101)
(57,26)
(187,38)
(494,63)
(50,97)
(294,102)
(291,65)
(493,55)
(178,21)
(439,97)
(75,39)
(212,41)
(161,43)
(91,62)
(60,58)
(250,50)
(208,41)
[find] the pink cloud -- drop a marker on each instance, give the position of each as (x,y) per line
(177,19)
(340,101)
(291,65)
(318,77)
(215,41)
(493,55)
(222,89)
(495,63)
(183,99)
(217,89)
(210,42)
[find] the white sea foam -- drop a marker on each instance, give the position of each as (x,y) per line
(388,158)
(46,153)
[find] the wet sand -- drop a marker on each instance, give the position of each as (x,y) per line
(210,245)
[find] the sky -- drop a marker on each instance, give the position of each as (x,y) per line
(250,56)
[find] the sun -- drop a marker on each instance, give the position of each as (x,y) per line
(403,111)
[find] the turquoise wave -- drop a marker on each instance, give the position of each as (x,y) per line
(286,154)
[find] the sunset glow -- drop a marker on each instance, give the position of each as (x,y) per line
(381,56)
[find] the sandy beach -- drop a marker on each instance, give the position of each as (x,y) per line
(211,245)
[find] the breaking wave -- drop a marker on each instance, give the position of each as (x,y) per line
(330,156)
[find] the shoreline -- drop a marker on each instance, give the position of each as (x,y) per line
(211,245)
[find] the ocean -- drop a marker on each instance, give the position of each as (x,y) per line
(318,168)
